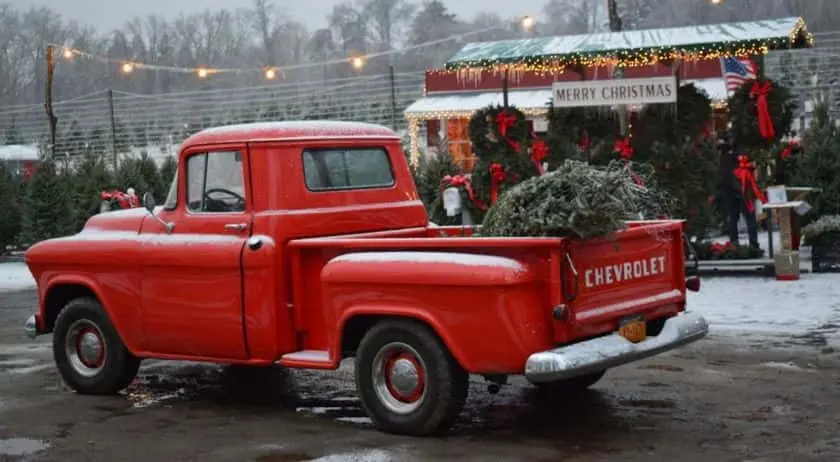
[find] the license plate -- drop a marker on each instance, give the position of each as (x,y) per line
(633,329)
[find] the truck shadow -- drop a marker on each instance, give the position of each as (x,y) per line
(586,419)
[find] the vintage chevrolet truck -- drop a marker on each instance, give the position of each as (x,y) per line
(304,243)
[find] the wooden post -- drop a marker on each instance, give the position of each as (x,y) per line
(48,106)
(393,97)
(616,25)
(113,128)
(505,88)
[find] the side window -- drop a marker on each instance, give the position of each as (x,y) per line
(215,182)
(347,168)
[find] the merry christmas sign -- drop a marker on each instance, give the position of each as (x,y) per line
(652,90)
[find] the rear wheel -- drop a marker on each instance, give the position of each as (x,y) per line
(572,385)
(407,379)
(88,351)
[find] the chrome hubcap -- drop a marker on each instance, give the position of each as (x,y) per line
(85,348)
(399,378)
(404,376)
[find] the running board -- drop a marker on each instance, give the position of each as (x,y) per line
(307,359)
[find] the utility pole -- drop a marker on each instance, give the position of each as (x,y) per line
(113,128)
(392,79)
(48,106)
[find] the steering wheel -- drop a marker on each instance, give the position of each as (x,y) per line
(238,205)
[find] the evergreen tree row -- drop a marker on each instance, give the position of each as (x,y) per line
(58,199)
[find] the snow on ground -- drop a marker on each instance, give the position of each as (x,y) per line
(15,276)
(754,304)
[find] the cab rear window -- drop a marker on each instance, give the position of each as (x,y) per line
(332,169)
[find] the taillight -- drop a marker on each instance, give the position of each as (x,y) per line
(693,284)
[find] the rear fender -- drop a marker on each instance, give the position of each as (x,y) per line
(402,312)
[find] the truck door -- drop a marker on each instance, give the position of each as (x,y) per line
(192,275)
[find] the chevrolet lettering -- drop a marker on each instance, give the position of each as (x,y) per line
(623,272)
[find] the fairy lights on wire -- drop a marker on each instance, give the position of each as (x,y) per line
(358,62)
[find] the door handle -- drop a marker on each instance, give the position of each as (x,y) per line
(236,226)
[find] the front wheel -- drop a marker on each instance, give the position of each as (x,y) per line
(88,351)
(407,379)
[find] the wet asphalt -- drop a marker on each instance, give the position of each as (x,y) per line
(728,397)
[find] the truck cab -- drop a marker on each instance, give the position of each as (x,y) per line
(305,243)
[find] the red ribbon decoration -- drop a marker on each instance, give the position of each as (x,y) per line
(624,148)
(497,176)
(585,142)
(539,151)
(789,149)
(505,120)
(744,174)
(464,182)
(765,122)
(123,200)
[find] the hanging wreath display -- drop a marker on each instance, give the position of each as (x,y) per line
(507,152)
(761,113)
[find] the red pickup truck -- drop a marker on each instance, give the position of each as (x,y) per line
(304,243)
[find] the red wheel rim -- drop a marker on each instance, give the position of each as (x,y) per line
(400,361)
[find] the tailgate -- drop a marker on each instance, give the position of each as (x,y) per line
(640,273)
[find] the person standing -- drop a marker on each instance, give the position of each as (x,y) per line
(733,196)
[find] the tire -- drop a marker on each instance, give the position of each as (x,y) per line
(88,351)
(427,407)
(573,385)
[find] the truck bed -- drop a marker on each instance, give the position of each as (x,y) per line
(584,288)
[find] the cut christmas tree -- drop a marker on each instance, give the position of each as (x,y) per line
(576,200)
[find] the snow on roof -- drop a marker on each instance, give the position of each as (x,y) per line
(306,129)
(531,102)
(19,152)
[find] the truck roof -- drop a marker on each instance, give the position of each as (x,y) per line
(289,130)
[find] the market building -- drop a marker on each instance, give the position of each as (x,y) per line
(581,68)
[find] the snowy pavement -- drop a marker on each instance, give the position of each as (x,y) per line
(744,304)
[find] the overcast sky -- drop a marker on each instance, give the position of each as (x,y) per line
(110,14)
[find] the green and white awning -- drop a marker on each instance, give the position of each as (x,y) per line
(636,47)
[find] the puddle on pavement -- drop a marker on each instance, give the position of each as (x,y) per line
(284,456)
(20,447)
(515,411)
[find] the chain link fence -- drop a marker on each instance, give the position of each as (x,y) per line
(108,122)
(118,124)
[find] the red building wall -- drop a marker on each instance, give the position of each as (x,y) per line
(438,81)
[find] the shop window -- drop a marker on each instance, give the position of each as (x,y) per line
(460,148)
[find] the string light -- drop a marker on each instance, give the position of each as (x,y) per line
(203,72)
(528,22)
(358,62)
(270,73)
(557,63)
(127,68)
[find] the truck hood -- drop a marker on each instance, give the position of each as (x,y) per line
(104,226)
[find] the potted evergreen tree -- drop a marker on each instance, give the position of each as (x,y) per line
(823,235)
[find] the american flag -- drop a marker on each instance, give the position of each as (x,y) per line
(737,71)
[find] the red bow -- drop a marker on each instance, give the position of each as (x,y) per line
(718,248)
(765,122)
(505,120)
(539,151)
(585,142)
(462,181)
(744,174)
(497,176)
(624,148)
(792,146)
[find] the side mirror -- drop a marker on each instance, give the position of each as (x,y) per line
(149,202)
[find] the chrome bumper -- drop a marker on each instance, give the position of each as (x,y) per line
(611,351)
(31,327)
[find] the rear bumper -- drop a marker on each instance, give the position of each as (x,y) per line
(611,351)
(31,329)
